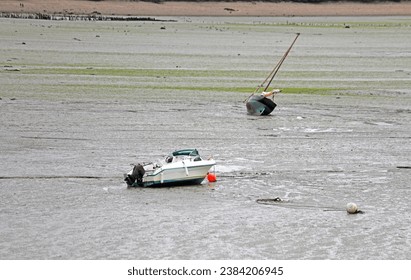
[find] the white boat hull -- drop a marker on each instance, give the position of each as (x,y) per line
(179,173)
(182,167)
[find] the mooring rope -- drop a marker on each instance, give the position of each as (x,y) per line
(287,204)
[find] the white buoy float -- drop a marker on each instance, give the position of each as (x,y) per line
(352,208)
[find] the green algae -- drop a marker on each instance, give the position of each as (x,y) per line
(113,89)
(125,72)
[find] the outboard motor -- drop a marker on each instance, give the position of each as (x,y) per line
(136,176)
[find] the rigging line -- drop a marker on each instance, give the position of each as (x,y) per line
(266,79)
(285,204)
(274,71)
(281,61)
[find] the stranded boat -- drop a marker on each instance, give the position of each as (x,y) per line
(260,105)
(182,167)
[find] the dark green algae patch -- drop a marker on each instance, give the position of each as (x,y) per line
(139,72)
(162,73)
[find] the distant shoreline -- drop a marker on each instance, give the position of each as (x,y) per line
(118,9)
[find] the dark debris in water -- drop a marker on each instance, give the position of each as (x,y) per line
(269,200)
(95,16)
(277,201)
(50,177)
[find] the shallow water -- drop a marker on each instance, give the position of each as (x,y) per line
(73,121)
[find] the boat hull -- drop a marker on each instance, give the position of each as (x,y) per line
(180,173)
(260,105)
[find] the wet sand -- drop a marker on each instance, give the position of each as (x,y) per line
(77,107)
(142,8)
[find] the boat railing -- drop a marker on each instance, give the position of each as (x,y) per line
(187,158)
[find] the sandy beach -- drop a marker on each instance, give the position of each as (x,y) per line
(141,8)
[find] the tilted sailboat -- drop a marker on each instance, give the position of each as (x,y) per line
(260,104)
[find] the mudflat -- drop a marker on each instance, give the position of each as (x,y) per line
(80,101)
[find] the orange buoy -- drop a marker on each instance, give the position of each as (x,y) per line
(211,177)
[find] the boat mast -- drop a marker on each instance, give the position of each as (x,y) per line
(275,70)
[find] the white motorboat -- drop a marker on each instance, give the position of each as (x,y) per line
(182,167)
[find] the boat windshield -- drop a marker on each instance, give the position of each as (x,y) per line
(186,152)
